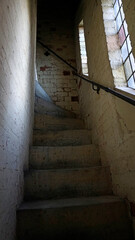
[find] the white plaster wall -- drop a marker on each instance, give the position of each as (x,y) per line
(17,56)
(112,121)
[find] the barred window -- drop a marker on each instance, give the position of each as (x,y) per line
(125,43)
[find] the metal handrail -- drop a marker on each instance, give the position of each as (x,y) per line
(95,86)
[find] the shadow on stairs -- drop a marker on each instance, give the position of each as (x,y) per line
(68,193)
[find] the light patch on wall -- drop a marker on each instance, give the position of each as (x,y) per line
(83,52)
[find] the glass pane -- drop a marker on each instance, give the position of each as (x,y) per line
(129,44)
(85,66)
(122,13)
(83,50)
(84,59)
(83,53)
(85,71)
(81,30)
(131,83)
(128,70)
(120,2)
(122,36)
(124,51)
(132,61)
(81,35)
(118,21)
(116,8)
(126,28)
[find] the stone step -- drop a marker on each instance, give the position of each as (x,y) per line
(64,183)
(42,121)
(63,157)
(61,138)
(97,218)
(44,107)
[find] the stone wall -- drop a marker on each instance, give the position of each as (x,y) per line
(17,58)
(55,29)
(111,119)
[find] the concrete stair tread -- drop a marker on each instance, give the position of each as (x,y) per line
(69,202)
(49,108)
(68,169)
(59,118)
(61,137)
(43,121)
(44,131)
(67,182)
(97,218)
(45,157)
(55,147)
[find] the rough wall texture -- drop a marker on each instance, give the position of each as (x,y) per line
(17,44)
(111,119)
(55,29)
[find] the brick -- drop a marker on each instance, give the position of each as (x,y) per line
(61,42)
(67,89)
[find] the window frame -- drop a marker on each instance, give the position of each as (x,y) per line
(82,48)
(125,43)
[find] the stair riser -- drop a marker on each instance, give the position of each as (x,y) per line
(61,157)
(45,107)
(51,123)
(62,138)
(67,183)
(105,221)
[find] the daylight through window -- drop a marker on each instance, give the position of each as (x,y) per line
(125,43)
(83,49)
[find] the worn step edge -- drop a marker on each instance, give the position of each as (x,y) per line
(69,202)
(68,156)
(49,184)
(49,108)
(42,131)
(65,170)
(57,118)
(54,123)
(61,138)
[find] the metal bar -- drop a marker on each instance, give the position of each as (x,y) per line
(99,86)
(106,89)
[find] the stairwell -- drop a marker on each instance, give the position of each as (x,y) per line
(68,193)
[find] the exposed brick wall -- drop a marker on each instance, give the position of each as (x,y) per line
(111,119)
(55,29)
(17,44)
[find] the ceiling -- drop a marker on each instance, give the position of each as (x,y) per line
(70,5)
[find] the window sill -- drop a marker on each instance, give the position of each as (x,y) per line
(126,91)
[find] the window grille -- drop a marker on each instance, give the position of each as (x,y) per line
(125,43)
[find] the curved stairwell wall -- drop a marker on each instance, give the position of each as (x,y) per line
(109,118)
(17,58)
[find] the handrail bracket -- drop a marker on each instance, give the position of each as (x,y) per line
(96,88)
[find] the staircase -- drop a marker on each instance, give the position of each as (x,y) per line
(68,194)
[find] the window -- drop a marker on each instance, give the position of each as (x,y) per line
(83,49)
(125,43)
